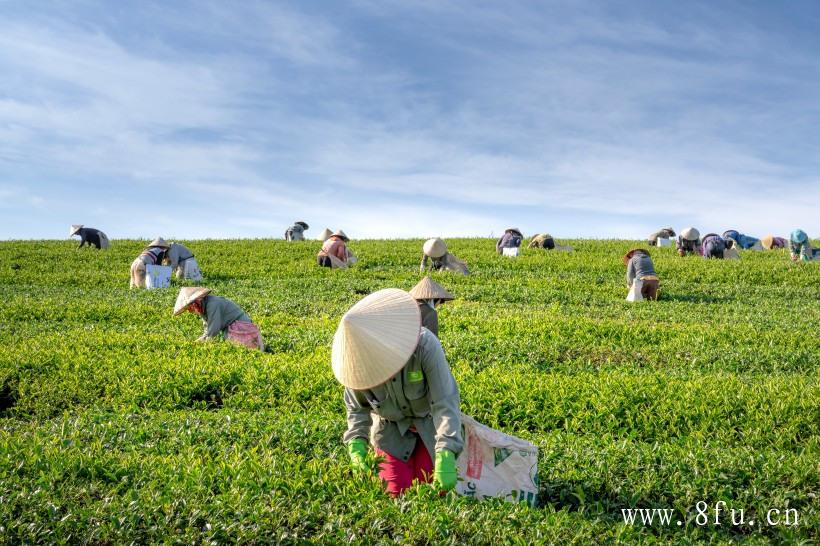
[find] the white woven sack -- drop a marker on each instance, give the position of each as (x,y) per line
(511,252)
(731,254)
(635,292)
(104,241)
(190,270)
(663,241)
(157,276)
(494,464)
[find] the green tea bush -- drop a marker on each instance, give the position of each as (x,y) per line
(115,427)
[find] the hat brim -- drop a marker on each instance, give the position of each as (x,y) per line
(201,293)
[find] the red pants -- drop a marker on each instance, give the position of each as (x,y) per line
(399,475)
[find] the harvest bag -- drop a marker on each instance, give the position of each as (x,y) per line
(190,270)
(511,252)
(635,291)
(663,241)
(494,464)
(731,254)
(157,276)
(104,242)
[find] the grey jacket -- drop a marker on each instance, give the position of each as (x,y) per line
(423,394)
(177,254)
(219,314)
(640,265)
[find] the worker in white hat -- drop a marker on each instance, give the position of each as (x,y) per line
(428,294)
(511,239)
(221,317)
(153,254)
(183,262)
(394,368)
(334,252)
(296,232)
(89,236)
(688,242)
(435,251)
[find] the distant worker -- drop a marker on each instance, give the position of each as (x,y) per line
(393,368)
(296,232)
(745,242)
(713,246)
(428,294)
(689,242)
(770,242)
(435,251)
(153,254)
(800,247)
(542,240)
(665,233)
(639,266)
(334,252)
(182,261)
(511,239)
(222,317)
(89,236)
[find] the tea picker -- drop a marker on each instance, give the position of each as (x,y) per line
(746,242)
(665,233)
(153,254)
(183,262)
(435,251)
(428,294)
(800,248)
(89,236)
(393,368)
(511,239)
(688,242)
(713,246)
(770,242)
(296,232)
(641,278)
(334,252)
(546,242)
(221,317)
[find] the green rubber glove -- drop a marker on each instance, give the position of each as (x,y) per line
(357,449)
(445,474)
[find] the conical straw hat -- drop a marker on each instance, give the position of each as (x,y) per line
(375,338)
(428,289)
(690,234)
(160,242)
(325,235)
(74,229)
(767,242)
(340,233)
(435,248)
(187,296)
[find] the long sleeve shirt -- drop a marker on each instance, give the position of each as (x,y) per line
(510,239)
(334,246)
(177,254)
(713,246)
(219,313)
(639,266)
(803,250)
(423,395)
(686,246)
(152,255)
(429,316)
(89,236)
(295,233)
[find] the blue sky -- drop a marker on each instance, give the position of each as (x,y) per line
(408,119)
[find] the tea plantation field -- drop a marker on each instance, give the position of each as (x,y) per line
(115,427)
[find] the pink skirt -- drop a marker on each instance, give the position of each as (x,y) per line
(245,333)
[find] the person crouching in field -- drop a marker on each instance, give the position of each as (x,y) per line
(688,242)
(89,236)
(182,260)
(153,254)
(713,246)
(435,251)
(639,266)
(221,317)
(542,240)
(665,233)
(511,239)
(800,248)
(770,242)
(296,232)
(394,368)
(334,252)
(743,241)
(428,294)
